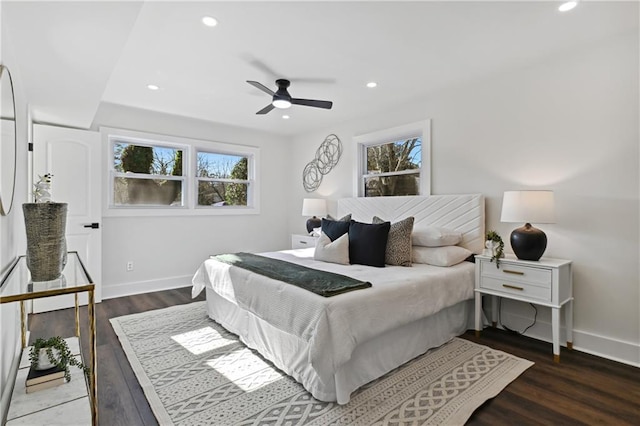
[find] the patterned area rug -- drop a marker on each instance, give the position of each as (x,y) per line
(194,372)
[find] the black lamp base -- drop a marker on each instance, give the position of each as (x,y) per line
(528,243)
(313,222)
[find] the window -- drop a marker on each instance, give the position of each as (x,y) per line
(223,179)
(148,175)
(395,162)
(156,175)
(393,168)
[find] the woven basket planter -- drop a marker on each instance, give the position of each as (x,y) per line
(46,225)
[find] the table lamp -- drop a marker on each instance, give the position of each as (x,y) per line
(527,242)
(314,207)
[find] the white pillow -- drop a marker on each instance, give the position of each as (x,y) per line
(435,237)
(440,256)
(332,251)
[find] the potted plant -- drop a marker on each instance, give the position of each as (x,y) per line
(495,245)
(57,354)
(45,225)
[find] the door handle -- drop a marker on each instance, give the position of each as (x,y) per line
(94,225)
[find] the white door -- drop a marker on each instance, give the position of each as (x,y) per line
(73,157)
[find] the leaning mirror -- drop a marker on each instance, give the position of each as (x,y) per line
(8,144)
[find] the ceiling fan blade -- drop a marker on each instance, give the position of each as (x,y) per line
(261,87)
(265,109)
(312,103)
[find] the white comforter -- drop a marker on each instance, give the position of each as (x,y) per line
(334,326)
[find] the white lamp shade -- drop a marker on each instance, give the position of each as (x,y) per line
(528,207)
(314,207)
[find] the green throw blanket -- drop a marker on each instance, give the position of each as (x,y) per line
(320,282)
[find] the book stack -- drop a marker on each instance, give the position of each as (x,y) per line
(44,379)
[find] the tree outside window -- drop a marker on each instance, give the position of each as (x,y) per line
(223,179)
(393,168)
(147,175)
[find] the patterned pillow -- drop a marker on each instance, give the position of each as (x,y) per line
(399,243)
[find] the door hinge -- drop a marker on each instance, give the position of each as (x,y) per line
(30,146)
(94,225)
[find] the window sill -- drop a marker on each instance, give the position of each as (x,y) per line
(178,211)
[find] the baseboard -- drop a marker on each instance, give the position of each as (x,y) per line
(583,341)
(130,288)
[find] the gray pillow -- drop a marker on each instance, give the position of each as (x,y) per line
(398,250)
(345,218)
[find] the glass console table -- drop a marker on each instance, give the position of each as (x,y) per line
(16,286)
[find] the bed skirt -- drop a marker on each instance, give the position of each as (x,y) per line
(369,360)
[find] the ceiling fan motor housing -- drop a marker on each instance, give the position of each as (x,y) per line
(282,94)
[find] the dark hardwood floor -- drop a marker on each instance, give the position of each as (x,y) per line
(582,389)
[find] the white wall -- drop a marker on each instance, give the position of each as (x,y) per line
(12,234)
(166,251)
(569,124)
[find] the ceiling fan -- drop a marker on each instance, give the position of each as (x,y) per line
(283,100)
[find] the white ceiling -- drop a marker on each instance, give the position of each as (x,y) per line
(72,56)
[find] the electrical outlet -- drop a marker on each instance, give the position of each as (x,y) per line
(130,266)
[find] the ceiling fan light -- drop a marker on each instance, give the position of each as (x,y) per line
(281,103)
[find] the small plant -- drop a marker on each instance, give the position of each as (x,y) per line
(62,359)
(496,252)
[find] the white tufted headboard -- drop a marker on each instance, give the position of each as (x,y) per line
(464,213)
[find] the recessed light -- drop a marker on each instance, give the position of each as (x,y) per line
(152,87)
(209,21)
(567,6)
(286,117)
(372,84)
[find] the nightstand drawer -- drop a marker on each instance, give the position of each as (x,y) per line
(303,241)
(523,274)
(516,288)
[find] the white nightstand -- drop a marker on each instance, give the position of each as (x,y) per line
(547,282)
(302,241)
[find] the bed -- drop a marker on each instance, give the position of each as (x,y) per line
(334,345)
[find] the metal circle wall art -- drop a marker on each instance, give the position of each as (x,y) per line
(328,154)
(311,176)
(327,157)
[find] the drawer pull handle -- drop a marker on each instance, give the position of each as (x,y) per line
(302,242)
(512,287)
(508,271)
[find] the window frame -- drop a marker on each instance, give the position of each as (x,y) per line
(420,129)
(190,147)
